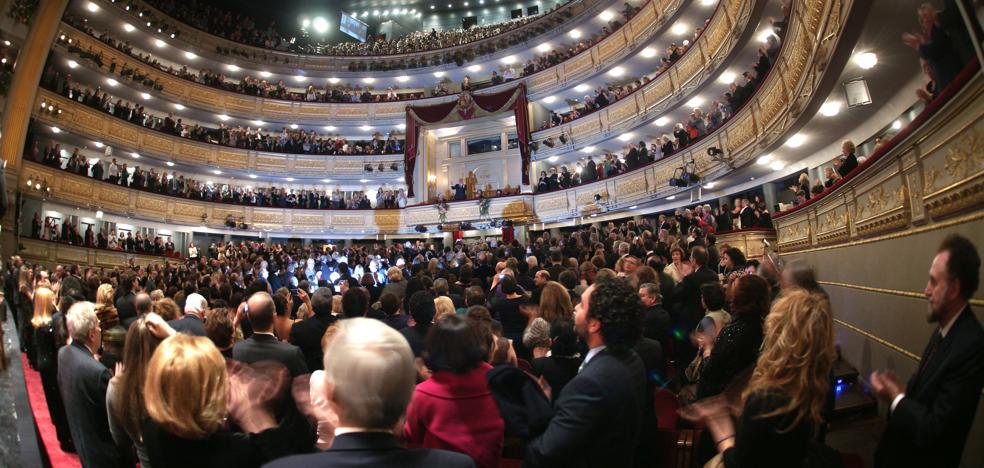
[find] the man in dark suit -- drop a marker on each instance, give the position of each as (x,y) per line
(590,171)
(747,215)
(124,303)
(929,419)
(597,415)
(83,382)
(687,295)
(193,321)
(655,319)
(371,400)
(307,333)
(263,345)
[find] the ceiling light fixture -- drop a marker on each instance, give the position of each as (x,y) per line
(159,43)
(216,172)
(550,99)
(135,155)
(553,158)
(588,149)
(582,87)
(403,78)
(616,72)
(333,80)
(606,15)
(866,60)
(575,34)
(266,74)
(439,74)
(401,126)
(128,27)
(232,67)
(648,52)
(55,130)
(727,78)
(330,128)
(112,82)
(777,165)
(764,159)
(190,55)
(679,29)
(289,179)
(300,78)
(72,64)
(145,96)
(796,140)
(223,117)
(626,136)
(252,176)
(98,144)
(259,123)
(695,102)
(545,47)
(92,7)
(170,164)
(293,126)
(365,128)
(509,60)
(179,106)
(830,108)
(662,121)
(474,68)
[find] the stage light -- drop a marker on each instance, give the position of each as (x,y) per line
(320,25)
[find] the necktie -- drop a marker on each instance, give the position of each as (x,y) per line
(934,345)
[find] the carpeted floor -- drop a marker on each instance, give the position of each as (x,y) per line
(39,406)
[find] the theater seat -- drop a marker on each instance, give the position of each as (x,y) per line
(510,463)
(666,406)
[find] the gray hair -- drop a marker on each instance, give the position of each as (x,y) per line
(81,319)
(440,286)
(372,370)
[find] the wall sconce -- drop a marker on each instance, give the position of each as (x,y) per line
(51,108)
(38,184)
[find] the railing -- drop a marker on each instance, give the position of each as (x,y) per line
(931,172)
(54,253)
(89,193)
(205,43)
(115,132)
(750,241)
(640,28)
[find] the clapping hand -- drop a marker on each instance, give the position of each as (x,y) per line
(913,40)
(885,384)
(157,326)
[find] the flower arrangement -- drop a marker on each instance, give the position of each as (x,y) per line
(483,206)
(442,211)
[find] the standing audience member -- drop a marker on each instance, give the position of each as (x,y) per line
(783,405)
(369,380)
(192,322)
(454,409)
(561,365)
(597,414)
(263,345)
(83,381)
(307,333)
(929,419)
(46,363)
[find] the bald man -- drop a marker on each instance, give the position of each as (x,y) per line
(264,345)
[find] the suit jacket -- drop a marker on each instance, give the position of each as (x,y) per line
(263,347)
(929,426)
(307,335)
(189,324)
(689,311)
(376,449)
(747,215)
(125,308)
(83,382)
(596,421)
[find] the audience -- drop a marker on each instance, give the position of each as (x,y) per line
(255,401)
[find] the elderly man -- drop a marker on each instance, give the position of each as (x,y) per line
(83,382)
(369,379)
(193,321)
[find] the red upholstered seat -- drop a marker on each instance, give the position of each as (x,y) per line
(666,405)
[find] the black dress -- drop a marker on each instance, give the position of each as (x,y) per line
(557,370)
(513,323)
(46,357)
(767,442)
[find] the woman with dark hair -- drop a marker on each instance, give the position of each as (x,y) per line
(727,360)
(737,346)
(506,310)
(561,366)
(732,265)
(723,218)
(454,409)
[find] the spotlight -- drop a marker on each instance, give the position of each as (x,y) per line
(685,176)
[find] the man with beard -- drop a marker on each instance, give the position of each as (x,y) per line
(929,419)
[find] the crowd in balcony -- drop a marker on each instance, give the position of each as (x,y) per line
(698,124)
(68,233)
(331,92)
(177,185)
(242,28)
(298,141)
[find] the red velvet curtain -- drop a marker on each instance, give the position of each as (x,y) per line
(468,106)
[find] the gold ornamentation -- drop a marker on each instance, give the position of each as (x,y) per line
(965,156)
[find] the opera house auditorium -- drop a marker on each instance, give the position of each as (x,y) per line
(491,233)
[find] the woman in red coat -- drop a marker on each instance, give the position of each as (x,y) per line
(454,409)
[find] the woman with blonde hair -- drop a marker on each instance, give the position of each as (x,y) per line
(555,304)
(190,430)
(782,405)
(444,306)
(105,310)
(46,361)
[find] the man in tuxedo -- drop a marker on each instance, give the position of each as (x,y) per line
(307,333)
(193,321)
(83,382)
(929,419)
(747,215)
(687,295)
(369,379)
(263,345)
(597,414)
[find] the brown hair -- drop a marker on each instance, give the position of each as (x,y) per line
(128,395)
(555,302)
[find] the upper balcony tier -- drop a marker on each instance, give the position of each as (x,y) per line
(812,36)
(223,99)
(489,41)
